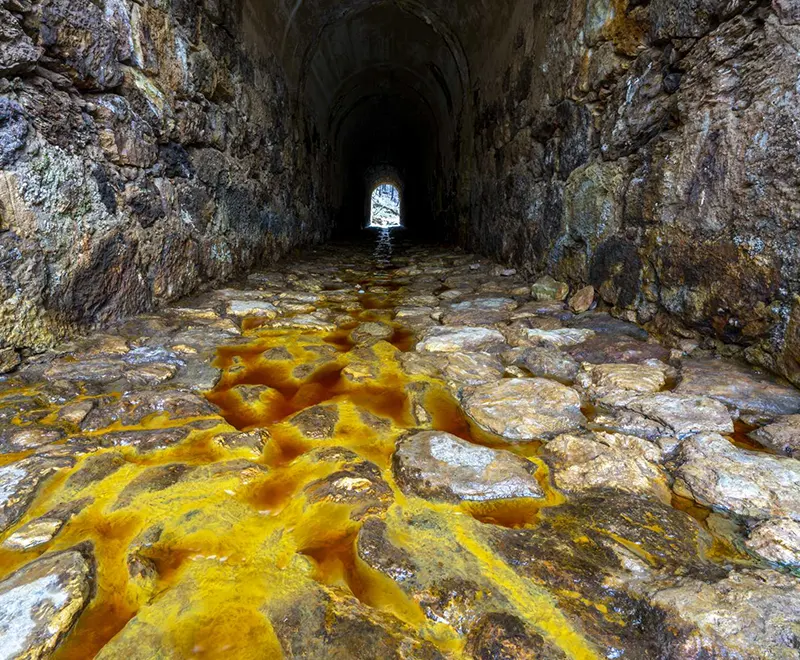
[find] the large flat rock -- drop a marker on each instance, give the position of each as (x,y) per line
(716,473)
(440,466)
(524,409)
(739,387)
(40,602)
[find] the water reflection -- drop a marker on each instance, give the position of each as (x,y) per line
(383,249)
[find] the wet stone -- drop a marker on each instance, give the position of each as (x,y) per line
(629,377)
(679,415)
(738,387)
(317,422)
(558,338)
(716,473)
(95,468)
(502,636)
(776,541)
(547,363)
(19,483)
(594,549)
(99,370)
(43,529)
(439,466)
(524,409)
(371,332)
(606,348)
(152,479)
(445,339)
(603,323)
(40,602)
(9,360)
(748,614)
(133,407)
(607,460)
(781,436)
(254,440)
(19,439)
(257,308)
(145,441)
(360,486)
(467,369)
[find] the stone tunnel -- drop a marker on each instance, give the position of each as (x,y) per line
(552,415)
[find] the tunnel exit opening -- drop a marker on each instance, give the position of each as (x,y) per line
(385,206)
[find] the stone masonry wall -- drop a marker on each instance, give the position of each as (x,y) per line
(145,149)
(650,148)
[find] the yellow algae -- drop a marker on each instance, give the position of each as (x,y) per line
(196,566)
(534,603)
(635,548)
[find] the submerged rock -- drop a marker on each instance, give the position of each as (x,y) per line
(40,602)
(440,466)
(524,409)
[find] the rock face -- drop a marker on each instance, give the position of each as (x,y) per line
(524,409)
(618,181)
(40,603)
(440,466)
(156,140)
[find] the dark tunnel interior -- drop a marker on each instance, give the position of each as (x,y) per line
(385,83)
(385,88)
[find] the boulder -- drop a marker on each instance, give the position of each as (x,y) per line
(582,300)
(40,602)
(547,288)
(607,460)
(713,471)
(524,409)
(439,466)
(448,339)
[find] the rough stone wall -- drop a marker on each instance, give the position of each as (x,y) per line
(145,148)
(650,149)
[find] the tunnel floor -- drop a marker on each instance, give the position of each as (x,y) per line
(393,452)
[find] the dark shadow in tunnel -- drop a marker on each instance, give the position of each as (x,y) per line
(387,86)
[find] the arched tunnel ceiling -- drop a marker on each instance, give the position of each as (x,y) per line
(333,50)
(385,83)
